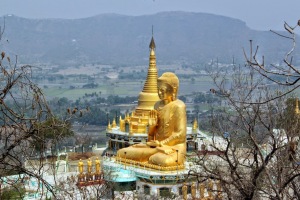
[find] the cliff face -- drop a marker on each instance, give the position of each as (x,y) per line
(181,37)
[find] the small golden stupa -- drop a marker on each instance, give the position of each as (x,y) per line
(195,126)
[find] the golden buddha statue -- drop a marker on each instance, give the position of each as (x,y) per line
(202,190)
(193,190)
(80,166)
(97,166)
(89,164)
(166,144)
(184,191)
(81,176)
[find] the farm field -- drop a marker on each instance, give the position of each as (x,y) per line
(122,88)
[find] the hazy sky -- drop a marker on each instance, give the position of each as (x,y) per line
(258,14)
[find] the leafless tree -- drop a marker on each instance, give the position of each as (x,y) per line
(26,121)
(82,139)
(286,74)
(253,147)
(69,189)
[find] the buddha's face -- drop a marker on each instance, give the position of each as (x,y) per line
(165,91)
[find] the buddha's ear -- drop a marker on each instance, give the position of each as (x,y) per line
(174,93)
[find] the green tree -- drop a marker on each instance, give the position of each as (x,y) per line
(15,192)
(50,132)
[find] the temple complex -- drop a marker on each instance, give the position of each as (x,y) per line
(148,150)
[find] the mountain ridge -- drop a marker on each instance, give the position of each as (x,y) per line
(181,37)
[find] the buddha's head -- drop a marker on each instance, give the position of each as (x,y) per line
(168,85)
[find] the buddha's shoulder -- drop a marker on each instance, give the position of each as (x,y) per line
(178,103)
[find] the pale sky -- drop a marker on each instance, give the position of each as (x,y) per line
(258,14)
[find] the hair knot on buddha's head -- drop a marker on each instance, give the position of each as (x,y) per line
(169,78)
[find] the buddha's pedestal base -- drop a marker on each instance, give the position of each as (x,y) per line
(97,177)
(81,178)
(128,162)
(90,179)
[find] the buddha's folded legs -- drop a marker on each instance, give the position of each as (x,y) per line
(166,160)
(140,154)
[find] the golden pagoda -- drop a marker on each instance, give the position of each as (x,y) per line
(138,121)
(149,96)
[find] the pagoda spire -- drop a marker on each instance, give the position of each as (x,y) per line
(151,81)
(152,43)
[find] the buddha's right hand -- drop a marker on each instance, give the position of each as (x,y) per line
(152,118)
(153,143)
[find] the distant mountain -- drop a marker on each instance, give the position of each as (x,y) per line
(181,37)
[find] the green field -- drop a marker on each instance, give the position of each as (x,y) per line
(123,88)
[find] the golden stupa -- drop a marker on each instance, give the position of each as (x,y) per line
(138,121)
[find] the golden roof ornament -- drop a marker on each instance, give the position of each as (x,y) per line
(195,124)
(152,44)
(114,124)
(109,126)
